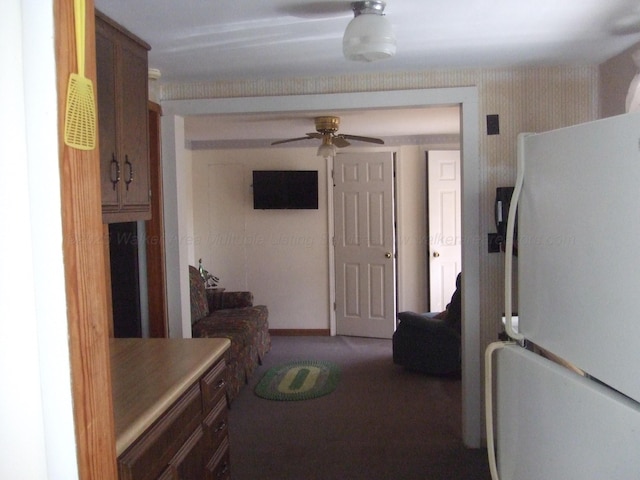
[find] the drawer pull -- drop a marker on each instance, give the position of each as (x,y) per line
(221,426)
(221,384)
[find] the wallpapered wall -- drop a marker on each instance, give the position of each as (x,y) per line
(615,76)
(527,100)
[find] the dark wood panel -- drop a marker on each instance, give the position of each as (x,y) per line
(110,164)
(156,273)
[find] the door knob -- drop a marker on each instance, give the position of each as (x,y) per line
(436,254)
(388,255)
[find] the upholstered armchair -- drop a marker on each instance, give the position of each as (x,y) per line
(424,343)
(431,342)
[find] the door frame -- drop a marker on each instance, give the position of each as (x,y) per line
(154,232)
(177,208)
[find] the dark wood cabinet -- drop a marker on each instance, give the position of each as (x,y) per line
(122,86)
(188,440)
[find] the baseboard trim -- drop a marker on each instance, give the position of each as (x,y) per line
(300,332)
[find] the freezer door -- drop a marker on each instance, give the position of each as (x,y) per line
(578,247)
(555,424)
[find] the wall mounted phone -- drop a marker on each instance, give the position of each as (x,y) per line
(502,204)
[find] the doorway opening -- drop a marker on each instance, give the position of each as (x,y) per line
(176,161)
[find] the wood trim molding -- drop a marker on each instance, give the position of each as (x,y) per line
(156,271)
(84,264)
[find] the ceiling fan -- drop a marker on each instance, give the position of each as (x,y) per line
(326,128)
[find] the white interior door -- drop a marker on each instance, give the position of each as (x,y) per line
(445,250)
(364,244)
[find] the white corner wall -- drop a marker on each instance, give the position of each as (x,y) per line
(411,234)
(36,409)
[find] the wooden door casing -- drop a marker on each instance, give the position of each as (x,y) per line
(84,265)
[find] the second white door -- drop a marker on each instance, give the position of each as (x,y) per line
(364,244)
(445,237)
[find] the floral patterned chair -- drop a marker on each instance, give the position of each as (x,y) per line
(231,315)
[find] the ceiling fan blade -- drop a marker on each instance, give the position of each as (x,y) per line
(340,142)
(315,135)
(363,139)
(291,140)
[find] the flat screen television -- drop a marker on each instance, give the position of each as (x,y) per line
(285,189)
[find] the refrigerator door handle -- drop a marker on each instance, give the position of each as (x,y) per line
(508,262)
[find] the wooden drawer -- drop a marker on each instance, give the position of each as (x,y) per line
(190,461)
(216,424)
(218,467)
(213,386)
(151,453)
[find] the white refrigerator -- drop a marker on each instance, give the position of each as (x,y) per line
(572,412)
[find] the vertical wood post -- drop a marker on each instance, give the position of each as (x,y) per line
(85,272)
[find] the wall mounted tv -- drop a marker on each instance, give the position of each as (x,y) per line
(285,189)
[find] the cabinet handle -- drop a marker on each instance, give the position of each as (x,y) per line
(130,165)
(114,181)
(220,384)
(221,426)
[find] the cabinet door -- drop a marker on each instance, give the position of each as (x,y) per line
(107,115)
(135,129)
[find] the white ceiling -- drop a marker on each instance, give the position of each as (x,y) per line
(226,40)
(394,126)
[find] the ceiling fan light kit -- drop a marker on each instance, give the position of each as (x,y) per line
(326,128)
(326,149)
(369,35)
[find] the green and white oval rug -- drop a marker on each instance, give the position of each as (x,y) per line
(300,380)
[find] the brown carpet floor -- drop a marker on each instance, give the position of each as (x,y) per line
(381,422)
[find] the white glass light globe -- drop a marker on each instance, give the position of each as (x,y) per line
(368,37)
(326,150)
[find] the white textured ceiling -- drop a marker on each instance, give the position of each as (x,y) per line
(231,39)
(226,40)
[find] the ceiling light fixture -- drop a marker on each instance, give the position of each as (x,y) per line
(327,149)
(369,35)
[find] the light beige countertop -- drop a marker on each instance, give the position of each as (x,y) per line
(148,375)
